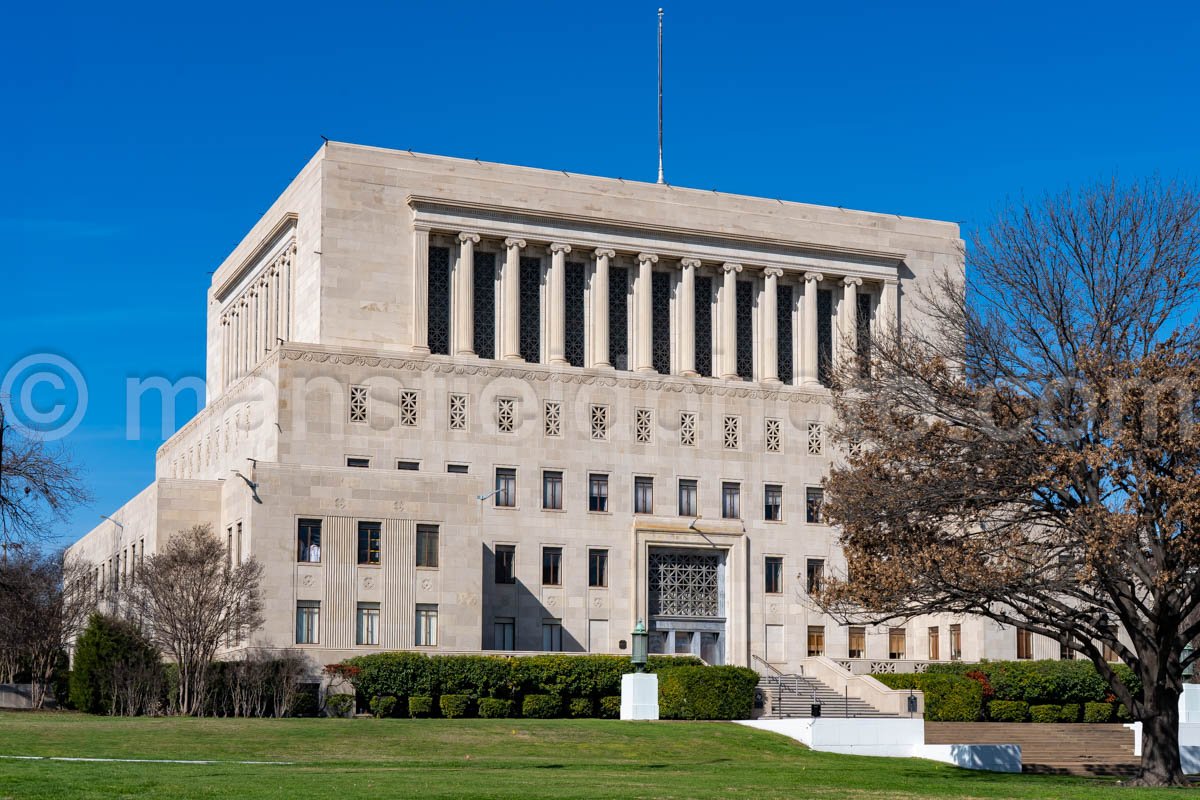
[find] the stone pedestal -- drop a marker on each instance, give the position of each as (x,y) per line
(639,696)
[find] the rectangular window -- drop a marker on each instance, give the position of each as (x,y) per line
(457,469)
(896,644)
(597,492)
(598,569)
(813,500)
(552,635)
(773,502)
(816,640)
(731,500)
(358,462)
(506,487)
(1024,643)
(427,625)
(367,628)
(506,557)
(935,652)
(1109,654)
(368,542)
(408,465)
(858,642)
(814,571)
(643,495)
(687,497)
(308,622)
(552,566)
(504,634)
(308,541)
(427,545)
(552,490)
(773,575)
(1066,652)
(956,642)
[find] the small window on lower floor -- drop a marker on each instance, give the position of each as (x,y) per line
(408,465)
(1024,643)
(308,622)
(897,644)
(858,642)
(367,628)
(360,463)
(427,625)
(457,469)
(597,492)
(816,640)
(597,568)
(504,633)
(934,644)
(955,642)
(552,635)
(773,575)
(773,502)
(427,545)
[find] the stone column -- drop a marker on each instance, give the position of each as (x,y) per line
(687,317)
(224,322)
(728,314)
(420,295)
(269,288)
(510,291)
(850,317)
(809,336)
(889,311)
(463,313)
(769,317)
(643,297)
(557,289)
(599,337)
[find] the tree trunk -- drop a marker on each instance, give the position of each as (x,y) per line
(1160,739)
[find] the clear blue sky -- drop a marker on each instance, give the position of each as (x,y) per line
(142,142)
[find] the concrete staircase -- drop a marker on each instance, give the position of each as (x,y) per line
(793,696)
(1049,749)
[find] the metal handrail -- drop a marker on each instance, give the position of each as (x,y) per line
(775,676)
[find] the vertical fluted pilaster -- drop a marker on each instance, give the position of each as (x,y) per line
(769,317)
(420,294)
(809,337)
(728,314)
(599,337)
(643,296)
(557,289)
(687,316)
(510,293)
(463,312)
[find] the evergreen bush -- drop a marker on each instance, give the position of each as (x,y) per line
(1046,712)
(454,705)
(383,706)
(1008,711)
(540,706)
(706,692)
(610,707)
(495,708)
(420,706)
(339,705)
(580,707)
(948,698)
(1097,712)
(117,670)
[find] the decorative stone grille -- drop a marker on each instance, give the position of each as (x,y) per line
(506,414)
(358,404)
(408,407)
(685,584)
(599,417)
(732,430)
(552,418)
(458,412)
(687,428)
(816,439)
(774,436)
(643,426)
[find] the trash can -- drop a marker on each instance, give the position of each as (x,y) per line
(816,710)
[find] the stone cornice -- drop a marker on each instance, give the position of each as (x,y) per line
(286,225)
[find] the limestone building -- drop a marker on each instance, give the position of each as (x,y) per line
(464,407)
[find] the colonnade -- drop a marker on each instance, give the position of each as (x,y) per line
(257,317)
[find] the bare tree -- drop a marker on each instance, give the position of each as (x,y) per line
(38,483)
(1031,455)
(191,600)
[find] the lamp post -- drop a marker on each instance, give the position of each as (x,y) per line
(640,640)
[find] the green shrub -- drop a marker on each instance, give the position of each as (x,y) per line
(610,707)
(540,706)
(383,706)
(1097,712)
(706,692)
(307,701)
(117,670)
(1069,712)
(339,705)
(948,698)
(1046,712)
(1045,682)
(420,706)
(1123,714)
(580,707)
(495,708)
(1008,711)
(455,705)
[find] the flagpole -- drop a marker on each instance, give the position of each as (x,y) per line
(660,107)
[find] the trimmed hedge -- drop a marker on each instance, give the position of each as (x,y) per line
(454,705)
(383,706)
(1097,712)
(580,707)
(540,706)
(1044,682)
(1069,712)
(420,706)
(610,707)
(339,705)
(1008,710)
(706,692)
(948,698)
(1045,713)
(495,708)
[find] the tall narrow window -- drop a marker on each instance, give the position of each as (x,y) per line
(439,300)
(773,575)
(552,490)
(427,625)
(956,642)
(367,625)
(816,640)
(814,573)
(1065,652)
(531,309)
(485,304)
(773,502)
(551,566)
(660,283)
(731,500)
(308,541)
(825,336)
(597,492)
(935,652)
(552,635)
(506,560)
(368,542)
(897,644)
(814,499)
(745,330)
(618,317)
(857,643)
(1024,643)
(687,497)
(863,334)
(597,569)
(643,495)
(427,545)
(575,338)
(308,622)
(506,487)
(703,310)
(783,309)
(504,633)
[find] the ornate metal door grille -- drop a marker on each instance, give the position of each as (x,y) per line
(685,584)
(660,282)
(485,305)
(783,301)
(439,300)
(825,336)
(531,309)
(573,319)
(745,330)
(704,326)
(618,317)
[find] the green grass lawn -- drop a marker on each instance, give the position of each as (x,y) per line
(396,758)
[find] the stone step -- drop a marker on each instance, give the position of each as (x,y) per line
(1049,749)
(798,693)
